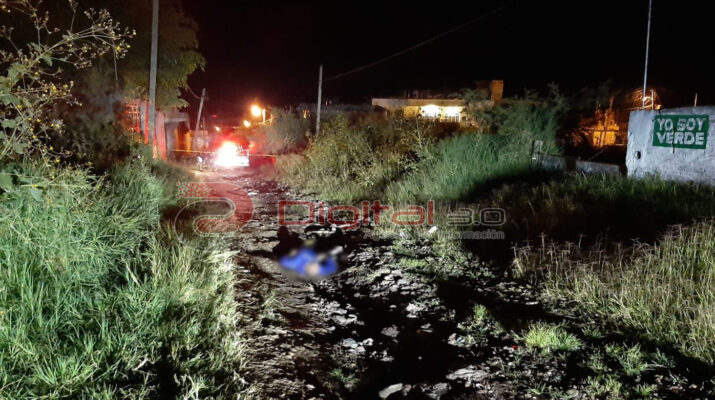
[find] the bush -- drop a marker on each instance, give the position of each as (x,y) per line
(355,161)
(459,167)
(456,167)
(35,82)
(287,133)
(94,305)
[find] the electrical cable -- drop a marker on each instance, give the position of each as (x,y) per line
(418,45)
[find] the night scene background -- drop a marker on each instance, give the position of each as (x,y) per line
(271,50)
(480,202)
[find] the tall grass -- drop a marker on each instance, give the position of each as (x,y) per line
(354,160)
(287,133)
(94,303)
(567,207)
(666,291)
(457,167)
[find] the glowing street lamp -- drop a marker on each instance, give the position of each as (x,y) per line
(246,123)
(257,112)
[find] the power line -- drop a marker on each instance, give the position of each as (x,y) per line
(191,92)
(418,45)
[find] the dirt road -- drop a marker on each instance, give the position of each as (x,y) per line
(384,328)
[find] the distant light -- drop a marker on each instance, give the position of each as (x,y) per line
(218,129)
(228,156)
(452,111)
(256,111)
(431,111)
(246,123)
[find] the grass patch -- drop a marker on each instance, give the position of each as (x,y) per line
(567,207)
(630,358)
(665,291)
(98,300)
(548,339)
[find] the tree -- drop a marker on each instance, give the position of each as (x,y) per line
(178,52)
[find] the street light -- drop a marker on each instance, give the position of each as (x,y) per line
(258,111)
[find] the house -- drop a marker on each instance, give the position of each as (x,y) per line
(436,107)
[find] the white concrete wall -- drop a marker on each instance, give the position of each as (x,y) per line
(672,162)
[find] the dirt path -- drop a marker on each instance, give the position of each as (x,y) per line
(379,329)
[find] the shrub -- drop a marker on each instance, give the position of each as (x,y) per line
(459,167)
(354,161)
(287,133)
(571,206)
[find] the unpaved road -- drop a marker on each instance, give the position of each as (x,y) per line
(380,330)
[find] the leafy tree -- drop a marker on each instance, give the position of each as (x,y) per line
(178,55)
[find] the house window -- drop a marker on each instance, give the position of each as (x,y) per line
(452,114)
(431,111)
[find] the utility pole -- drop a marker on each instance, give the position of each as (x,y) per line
(320,99)
(201,109)
(152,73)
(647,49)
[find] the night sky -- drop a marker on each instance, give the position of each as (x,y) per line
(270,50)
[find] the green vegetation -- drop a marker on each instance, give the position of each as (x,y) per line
(479,325)
(567,207)
(353,161)
(402,161)
(286,133)
(345,379)
(98,299)
(95,304)
(631,359)
(664,292)
(549,339)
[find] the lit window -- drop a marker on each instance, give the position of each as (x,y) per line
(431,111)
(452,114)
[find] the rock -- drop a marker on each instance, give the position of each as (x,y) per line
(386,357)
(349,342)
(426,328)
(457,340)
(391,331)
(386,392)
(469,374)
(413,310)
(343,321)
(437,391)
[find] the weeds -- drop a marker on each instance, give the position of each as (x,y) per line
(606,387)
(550,339)
(666,291)
(95,304)
(631,359)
